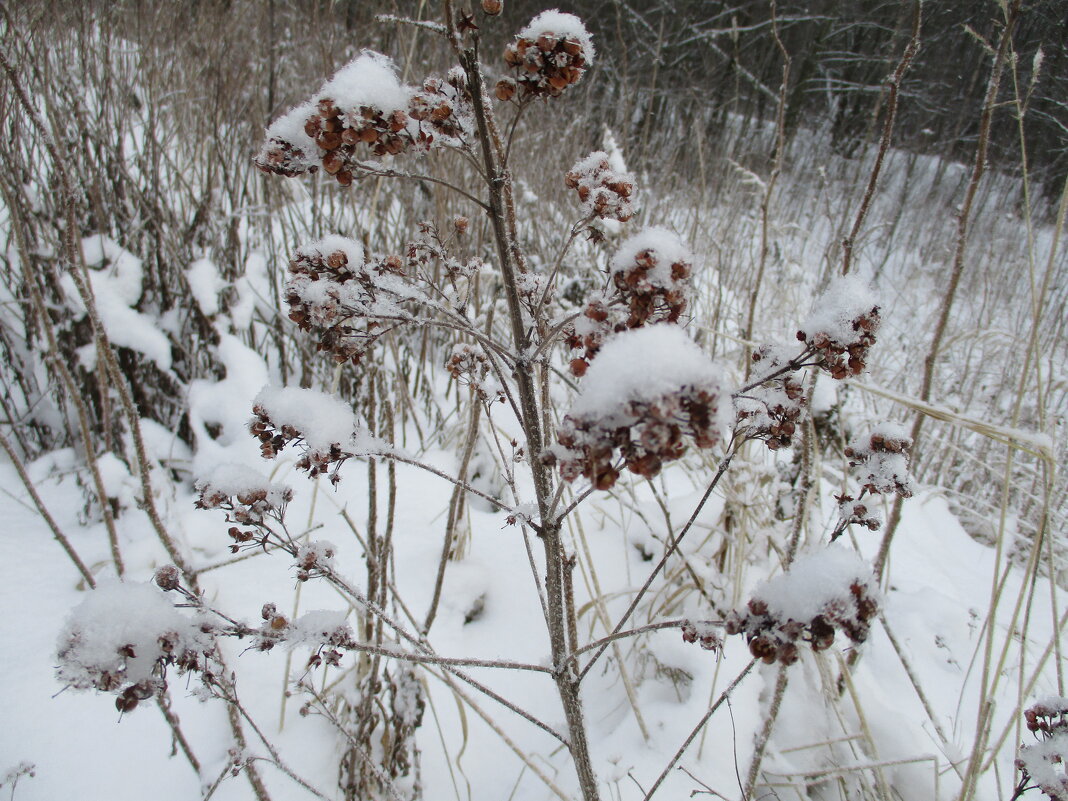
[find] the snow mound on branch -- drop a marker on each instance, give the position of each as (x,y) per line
(370,80)
(322,420)
(334,243)
(115,621)
(815,582)
(558,25)
(236,480)
(643,365)
(846,298)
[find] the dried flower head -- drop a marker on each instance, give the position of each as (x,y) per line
(773,410)
(841,328)
(550,54)
(880,460)
(1043,762)
(647,393)
(822,593)
(606,192)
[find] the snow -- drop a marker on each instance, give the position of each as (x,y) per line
(289,128)
(321,419)
(643,365)
(236,480)
(319,627)
(368,80)
(666,246)
(115,278)
(559,25)
(813,582)
(205,283)
(112,617)
(846,298)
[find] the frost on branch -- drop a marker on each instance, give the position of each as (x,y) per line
(605,191)
(319,629)
(323,426)
(315,558)
(1043,762)
(825,591)
(772,410)
(365,111)
(469,365)
(548,55)
(841,328)
(646,390)
(122,639)
(703,632)
(881,460)
(651,276)
(246,494)
(334,289)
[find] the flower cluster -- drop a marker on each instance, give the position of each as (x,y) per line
(704,633)
(443,111)
(428,248)
(821,594)
(315,559)
(652,273)
(323,425)
(841,329)
(364,111)
(469,366)
(549,55)
(597,323)
(124,637)
(1043,762)
(853,511)
(652,436)
(604,192)
(772,410)
(246,495)
(273,439)
(881,460)
(333,288)
(646,390)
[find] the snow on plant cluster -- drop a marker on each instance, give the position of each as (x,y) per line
(822,593)
(124,637)
(1043,763)
(548,55)
(350,299)
(362,112)
(644,391)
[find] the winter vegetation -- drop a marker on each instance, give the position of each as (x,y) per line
(448,401)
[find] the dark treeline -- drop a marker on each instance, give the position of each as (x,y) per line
(708,59)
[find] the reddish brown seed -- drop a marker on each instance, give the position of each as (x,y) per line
(492,7)
(578,367)
(558,81)
(332,163)
(505,90)
(329,140)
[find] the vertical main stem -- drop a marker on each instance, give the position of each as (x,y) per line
(565,675)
